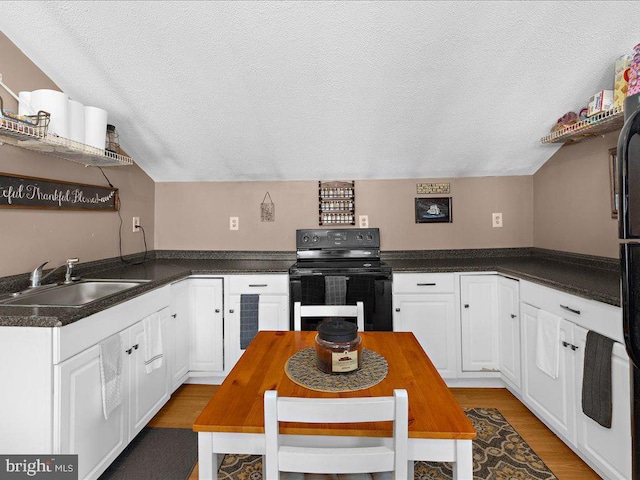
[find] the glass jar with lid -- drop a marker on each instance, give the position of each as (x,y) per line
(338,347)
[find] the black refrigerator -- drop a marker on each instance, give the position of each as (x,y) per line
(629,226)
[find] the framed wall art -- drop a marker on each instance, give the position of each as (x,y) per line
(433,210)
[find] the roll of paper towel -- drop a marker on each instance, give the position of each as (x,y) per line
(24,107)
(95,127)
(76,121)
(57,104)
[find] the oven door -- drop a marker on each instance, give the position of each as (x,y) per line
(373,291)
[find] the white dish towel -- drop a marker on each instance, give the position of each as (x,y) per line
(111,374)
(152,343)
(548,343)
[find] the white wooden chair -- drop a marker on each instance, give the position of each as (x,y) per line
(343,460)
(300,311)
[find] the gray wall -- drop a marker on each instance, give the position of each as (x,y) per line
(572,204)
(196,215)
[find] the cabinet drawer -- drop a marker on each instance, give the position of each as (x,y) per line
(239,284)
(423,283)
(590,314)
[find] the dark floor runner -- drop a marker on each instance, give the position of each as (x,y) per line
(156,454)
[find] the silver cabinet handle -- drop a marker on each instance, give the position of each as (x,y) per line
(425,284)
(569,309)
(258,285)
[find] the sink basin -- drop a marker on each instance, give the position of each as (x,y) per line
(71,295)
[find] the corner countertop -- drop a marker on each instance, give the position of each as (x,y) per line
(589,277)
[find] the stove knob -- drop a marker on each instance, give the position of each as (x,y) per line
(369,237)
(305,238)
(315,239)
(359,237)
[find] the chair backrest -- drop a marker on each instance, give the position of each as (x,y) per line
(314,459)
(300,311)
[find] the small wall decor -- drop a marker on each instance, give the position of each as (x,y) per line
(425,188)
(41,193)
(336,203)
(433,210)
(267,209)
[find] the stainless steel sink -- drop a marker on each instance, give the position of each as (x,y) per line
(70,295)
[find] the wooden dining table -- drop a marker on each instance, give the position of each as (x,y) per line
(232,421)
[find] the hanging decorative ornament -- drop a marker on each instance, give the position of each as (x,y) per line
(267,209)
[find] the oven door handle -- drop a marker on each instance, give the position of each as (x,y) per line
(258,285)
(425,284)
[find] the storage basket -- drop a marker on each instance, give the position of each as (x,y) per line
(20,125)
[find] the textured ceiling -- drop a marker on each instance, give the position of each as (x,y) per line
(223,91)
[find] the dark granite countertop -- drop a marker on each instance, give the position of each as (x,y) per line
(591,277)
(589,281)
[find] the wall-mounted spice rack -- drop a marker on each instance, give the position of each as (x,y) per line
(336,203)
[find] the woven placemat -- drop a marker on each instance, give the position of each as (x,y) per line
(301,369)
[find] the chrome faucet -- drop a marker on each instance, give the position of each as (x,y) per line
(36,275)
(37,278)
(70,263)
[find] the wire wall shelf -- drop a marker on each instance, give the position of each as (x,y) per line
(32,139)
(599,124)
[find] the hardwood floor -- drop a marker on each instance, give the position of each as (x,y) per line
(189,400)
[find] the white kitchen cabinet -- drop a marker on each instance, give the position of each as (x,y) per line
(553,399)
(479,323)
(82,427)
(148,392)
(559,402)
(80,424)
(206,355)
(608,449)
(509,325)
(273,308)
(178,334)
(425,305)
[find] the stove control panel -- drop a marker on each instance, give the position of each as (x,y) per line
(342,238)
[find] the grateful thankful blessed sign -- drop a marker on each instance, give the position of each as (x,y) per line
(29,192)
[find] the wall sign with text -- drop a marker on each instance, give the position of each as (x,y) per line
(30,192)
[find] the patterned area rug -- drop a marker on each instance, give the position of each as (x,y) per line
(499,453)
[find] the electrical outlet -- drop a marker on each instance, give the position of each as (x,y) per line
(363,221)
(233,223)
(497,220)
(136,224)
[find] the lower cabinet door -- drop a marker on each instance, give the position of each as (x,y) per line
(509,318)
(148,392)
(552,399)
(273,314)
(82,428)
(431,319)
(206,326)
(608,449)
